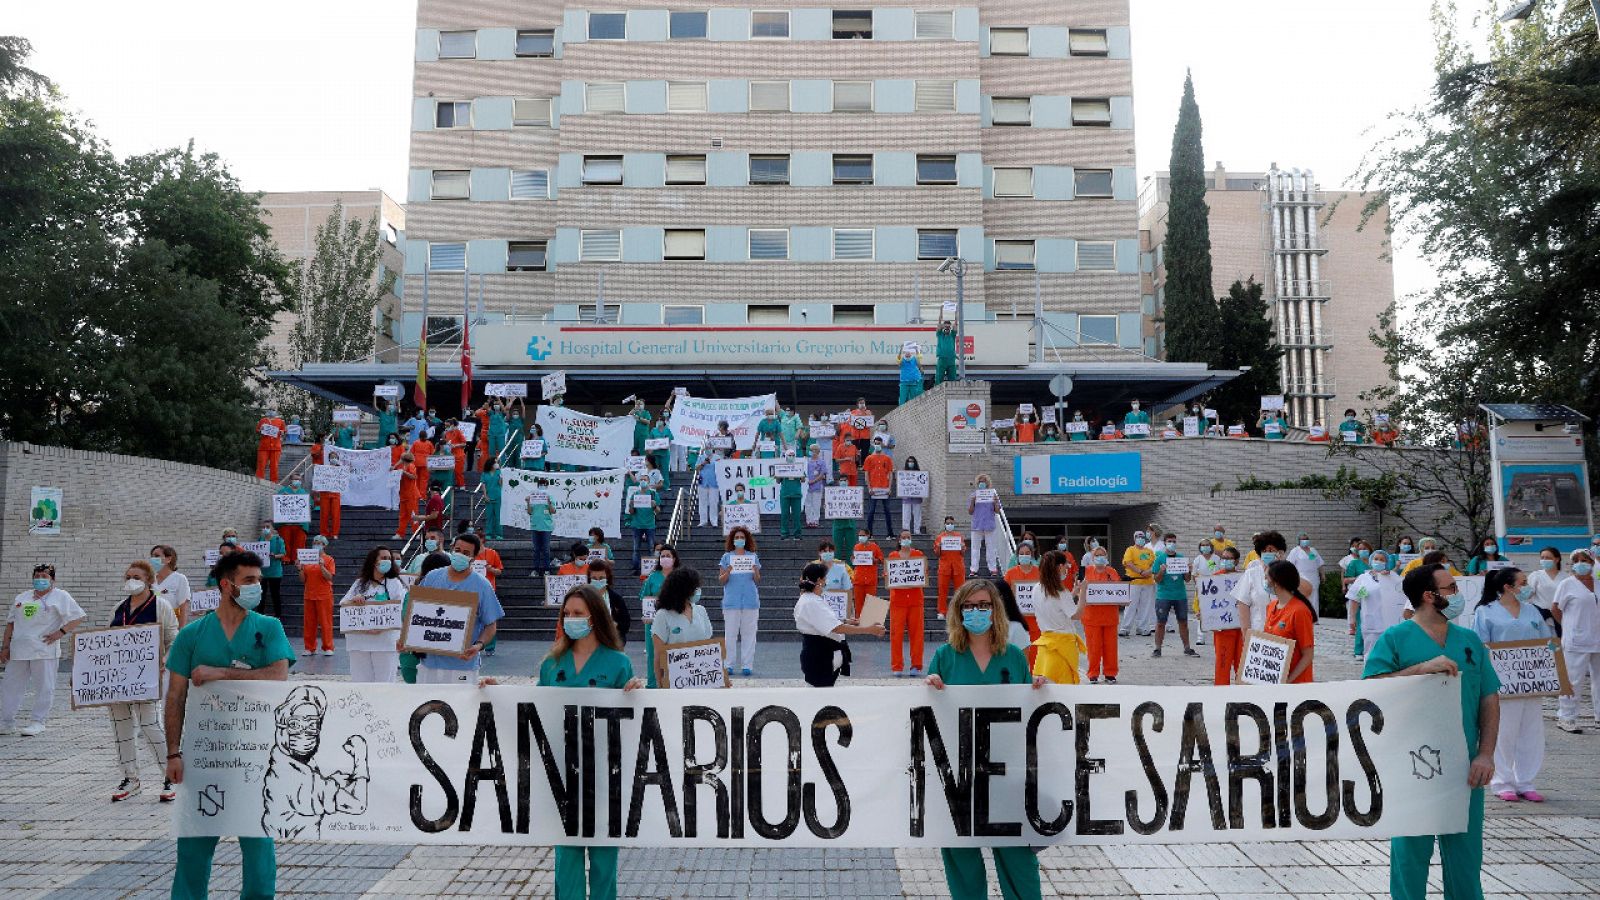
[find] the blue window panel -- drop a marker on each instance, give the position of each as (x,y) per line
(486,255)
(1047,42)
(988,182)
(560,31)
(571,98)
(967,28)
(985,114)
(811,95)
(988,261)
(968,97)
(977,311)
(894,24)
(427,45)
(808,24)
(686,25)
(894,168)
(1130,329)
(970,240)
(563,312)
(575,26)
(983,40)
(1147,304)
(811,168)
(811,243)
(1052,182)
(1121,112)
(728,24)
(416,256)
(644,169)
(419,186)
(641,314)
(727,313)
(641,244)
(1119,43)
(491,114)
(725,243)
(563,248)
(489,184)
(889,314)
(728,95)
(569,171)
(1061,329)
(896,243)
(497,43)
(894,95)
(1052,111)
(1055,255)
(647,25)
(422,113)
(727,169)
(1123,183)
(1128,256)
(1150,346)
(646,97)
(969,170)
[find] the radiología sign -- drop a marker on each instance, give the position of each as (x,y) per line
(760,484)
(858,767)
(694,419)
(1078,473)
(116,665)
(583,500)
(579,439)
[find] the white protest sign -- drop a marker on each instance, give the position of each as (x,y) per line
(579,439)
(1381,418)
(1350,437)
(757,477)
(653,444)
(1471,588)
(291,508)
(388,391)
(634,464)
(643,500)
(582,500)
(1108,593)
(1218,610)
(1272,401)
(370,616)
(1191,426)
(211,557)
(556,587)
(1076,427)
(259,548)
(1533,668)
(1209,414)
(697,664)
(205,601)
(821,429)
(506,389)
(330,479)
(1265,659)
(553,385)
(839,602)
(441,462)
(1236,431)
(1027,594)
(1025,407)
(1271,427)
(789,470)
(532,449)
(647,609)
(468,431)
(648,564)
(906,573)
(862,421)
(985,495)
(269,431)
(909,347)
(440,621)
(950,542)
(694,419)
(347,414)
(742,563)
(1049,415)
(741,515)
(913,484)
(947,309)
(1136,429)
(1002,424)
(116,665)
(1177,565)
(1401,560)
(371,479)
(308,556)
(480,567)
(1318,431)
(842,502)
(861,558)
(765,445)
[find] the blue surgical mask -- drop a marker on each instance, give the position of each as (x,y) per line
(738,543)
(1217,535)
(977,621)
(598,584)
(249,596)
(1380,564)
(1062,546)
(460,561)
(1406,547)
(1582,568)
(384,566)
(1269,558)
(1228,565)
(157,562)
(696,597)
(905,542)
(576,627)
(1491,548)
(231,540)
(1454,606)
(1525,593)
(949,526)
(1025,560)
(826,556)
(1140,541)
(430,545)
(1172,547)
(1304,542)
(41,584)
(1548,565)
(1363,553)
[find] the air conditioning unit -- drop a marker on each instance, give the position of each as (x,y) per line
(716,143)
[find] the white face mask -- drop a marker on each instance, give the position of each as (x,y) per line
(133,586)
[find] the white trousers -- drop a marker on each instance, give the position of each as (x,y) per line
(21,674)
(1140,615)
(710,499)
(1582,668)
(739,631)
(131,721)
(991,544)
(374,666)
(1520,750)
(813,507)
(677,456)
(911,515)
(426,675)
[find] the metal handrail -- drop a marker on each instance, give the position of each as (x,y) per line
(680,512)
(405,549)
(476,511)
(1005,529)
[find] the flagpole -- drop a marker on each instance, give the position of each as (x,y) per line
(419,392)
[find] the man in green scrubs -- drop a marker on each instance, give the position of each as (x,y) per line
(1428,644)
(234,644)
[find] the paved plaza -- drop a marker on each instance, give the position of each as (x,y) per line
(61,837)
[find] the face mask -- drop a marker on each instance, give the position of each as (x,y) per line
(949,526)
(1205,550)
(1547,564)
(43,584)
(1025,561)
(696,597)
(1172,547)
(157,562)
(1135,407)
(1304,542)
(598,584)
(295,485)
(1380,565)
(1229,564)
(133,586)
(1453,606)
(983,485)
(1077,417)
(1062,546)
(1405,548)
(249,596)
(1099,560)
(1577,569)
(459,561)
(1525,593)
(826,556)
(905,542)
(977,621)
(1093,544)
(430,545)
(862,538)
(738,543)
(230,540)
(384,566)
(1217,535)
(1491,548)
(1363,553)
(1269,558)
(576,627)
(1140,541)
(266,532)
(664,563)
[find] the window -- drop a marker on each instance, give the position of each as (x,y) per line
(686,96)
(1091,182)
(769,169)
(852,24)
(935,25)
(769,243)
(852,96)
(1011,110)
(608,26)
(776,314)
(686,26)
(443,327)
(684,243)
(850,168)
(770,25)
(1097,256)
(447,257)
(683,315)
(604,97)
(525,256)
(536,42)
(936,168)
(534,111)
(686,169)
(1013,254)
(602,170)
(936,243)
(769,96)
(1008,42)
(852,243)
(852,315)
(452,114)
(458,44)
(530,184)
(1097,329)
(1013,182)
(1087,42)
(450,184)
(600,245)
(1091,112)
(936,96)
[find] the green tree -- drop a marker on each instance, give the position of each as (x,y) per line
(13,74)
(1190,307)
(1247,342)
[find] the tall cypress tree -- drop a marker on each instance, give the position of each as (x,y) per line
(1190,315)
(1248,341)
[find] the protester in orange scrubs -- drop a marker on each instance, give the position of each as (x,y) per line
(1100,619)
(864,569)
(952,549)
(269,449)
(906,611)
(1290,615)
(1026,571)
(457,442)
(318,581)
(410,492)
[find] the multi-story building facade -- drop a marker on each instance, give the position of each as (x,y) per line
(729,163)
(1326,275)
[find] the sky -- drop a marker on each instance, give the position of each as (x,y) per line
(315,94)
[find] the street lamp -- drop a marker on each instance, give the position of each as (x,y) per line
(957,266)
(1522,9)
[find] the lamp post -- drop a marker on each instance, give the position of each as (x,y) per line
(1522,9)
(957,266)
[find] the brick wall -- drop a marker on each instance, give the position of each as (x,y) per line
(114,508)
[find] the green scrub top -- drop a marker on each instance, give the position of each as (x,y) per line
(258,643)
(491,485)
(1356,568)
(1007,667)
(541,516)
(274,565)
(643,517)
(606,668)
(1407,644)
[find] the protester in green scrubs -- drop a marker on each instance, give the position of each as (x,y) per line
(1429,643)
(236,643)
(979,653)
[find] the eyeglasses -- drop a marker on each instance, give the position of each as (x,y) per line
(967,606)
(1450,591)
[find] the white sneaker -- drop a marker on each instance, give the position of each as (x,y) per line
(327,653)
(31,730)
(128,788)
(1570,726)
(308,653)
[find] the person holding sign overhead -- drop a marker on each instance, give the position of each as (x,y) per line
(824,655)
(131,721)
(977,654)
(1272,425)
(269,448)
(317,581)
(903,567)
(373,657)
(1506,613)
(1099,619)
(1291,615)
(410,493)
(740,576)
(641,424)
(662,454)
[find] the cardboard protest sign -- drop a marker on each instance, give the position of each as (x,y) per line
(697,664)
(441,621)
(1218,610)
(842,502)
(911,484)
(116,665)
(745,515)
(556,587)
(906,573)
(532,448)
(1265,659)
(1109,593)
(875,610)
(1027,594)
(330,479)
(358,617)
(506,389)
(1533,668)
(291,508)
(205,601)
(308,556)
(553,385)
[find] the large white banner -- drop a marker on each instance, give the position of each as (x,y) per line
(578,439)
(373,481)
(760,485)
(901,766)
(583,500)
(695,418)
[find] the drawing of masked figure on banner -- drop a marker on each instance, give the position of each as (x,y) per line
(296,794)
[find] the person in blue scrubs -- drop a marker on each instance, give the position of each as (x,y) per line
(1430,643)
(1506,613)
